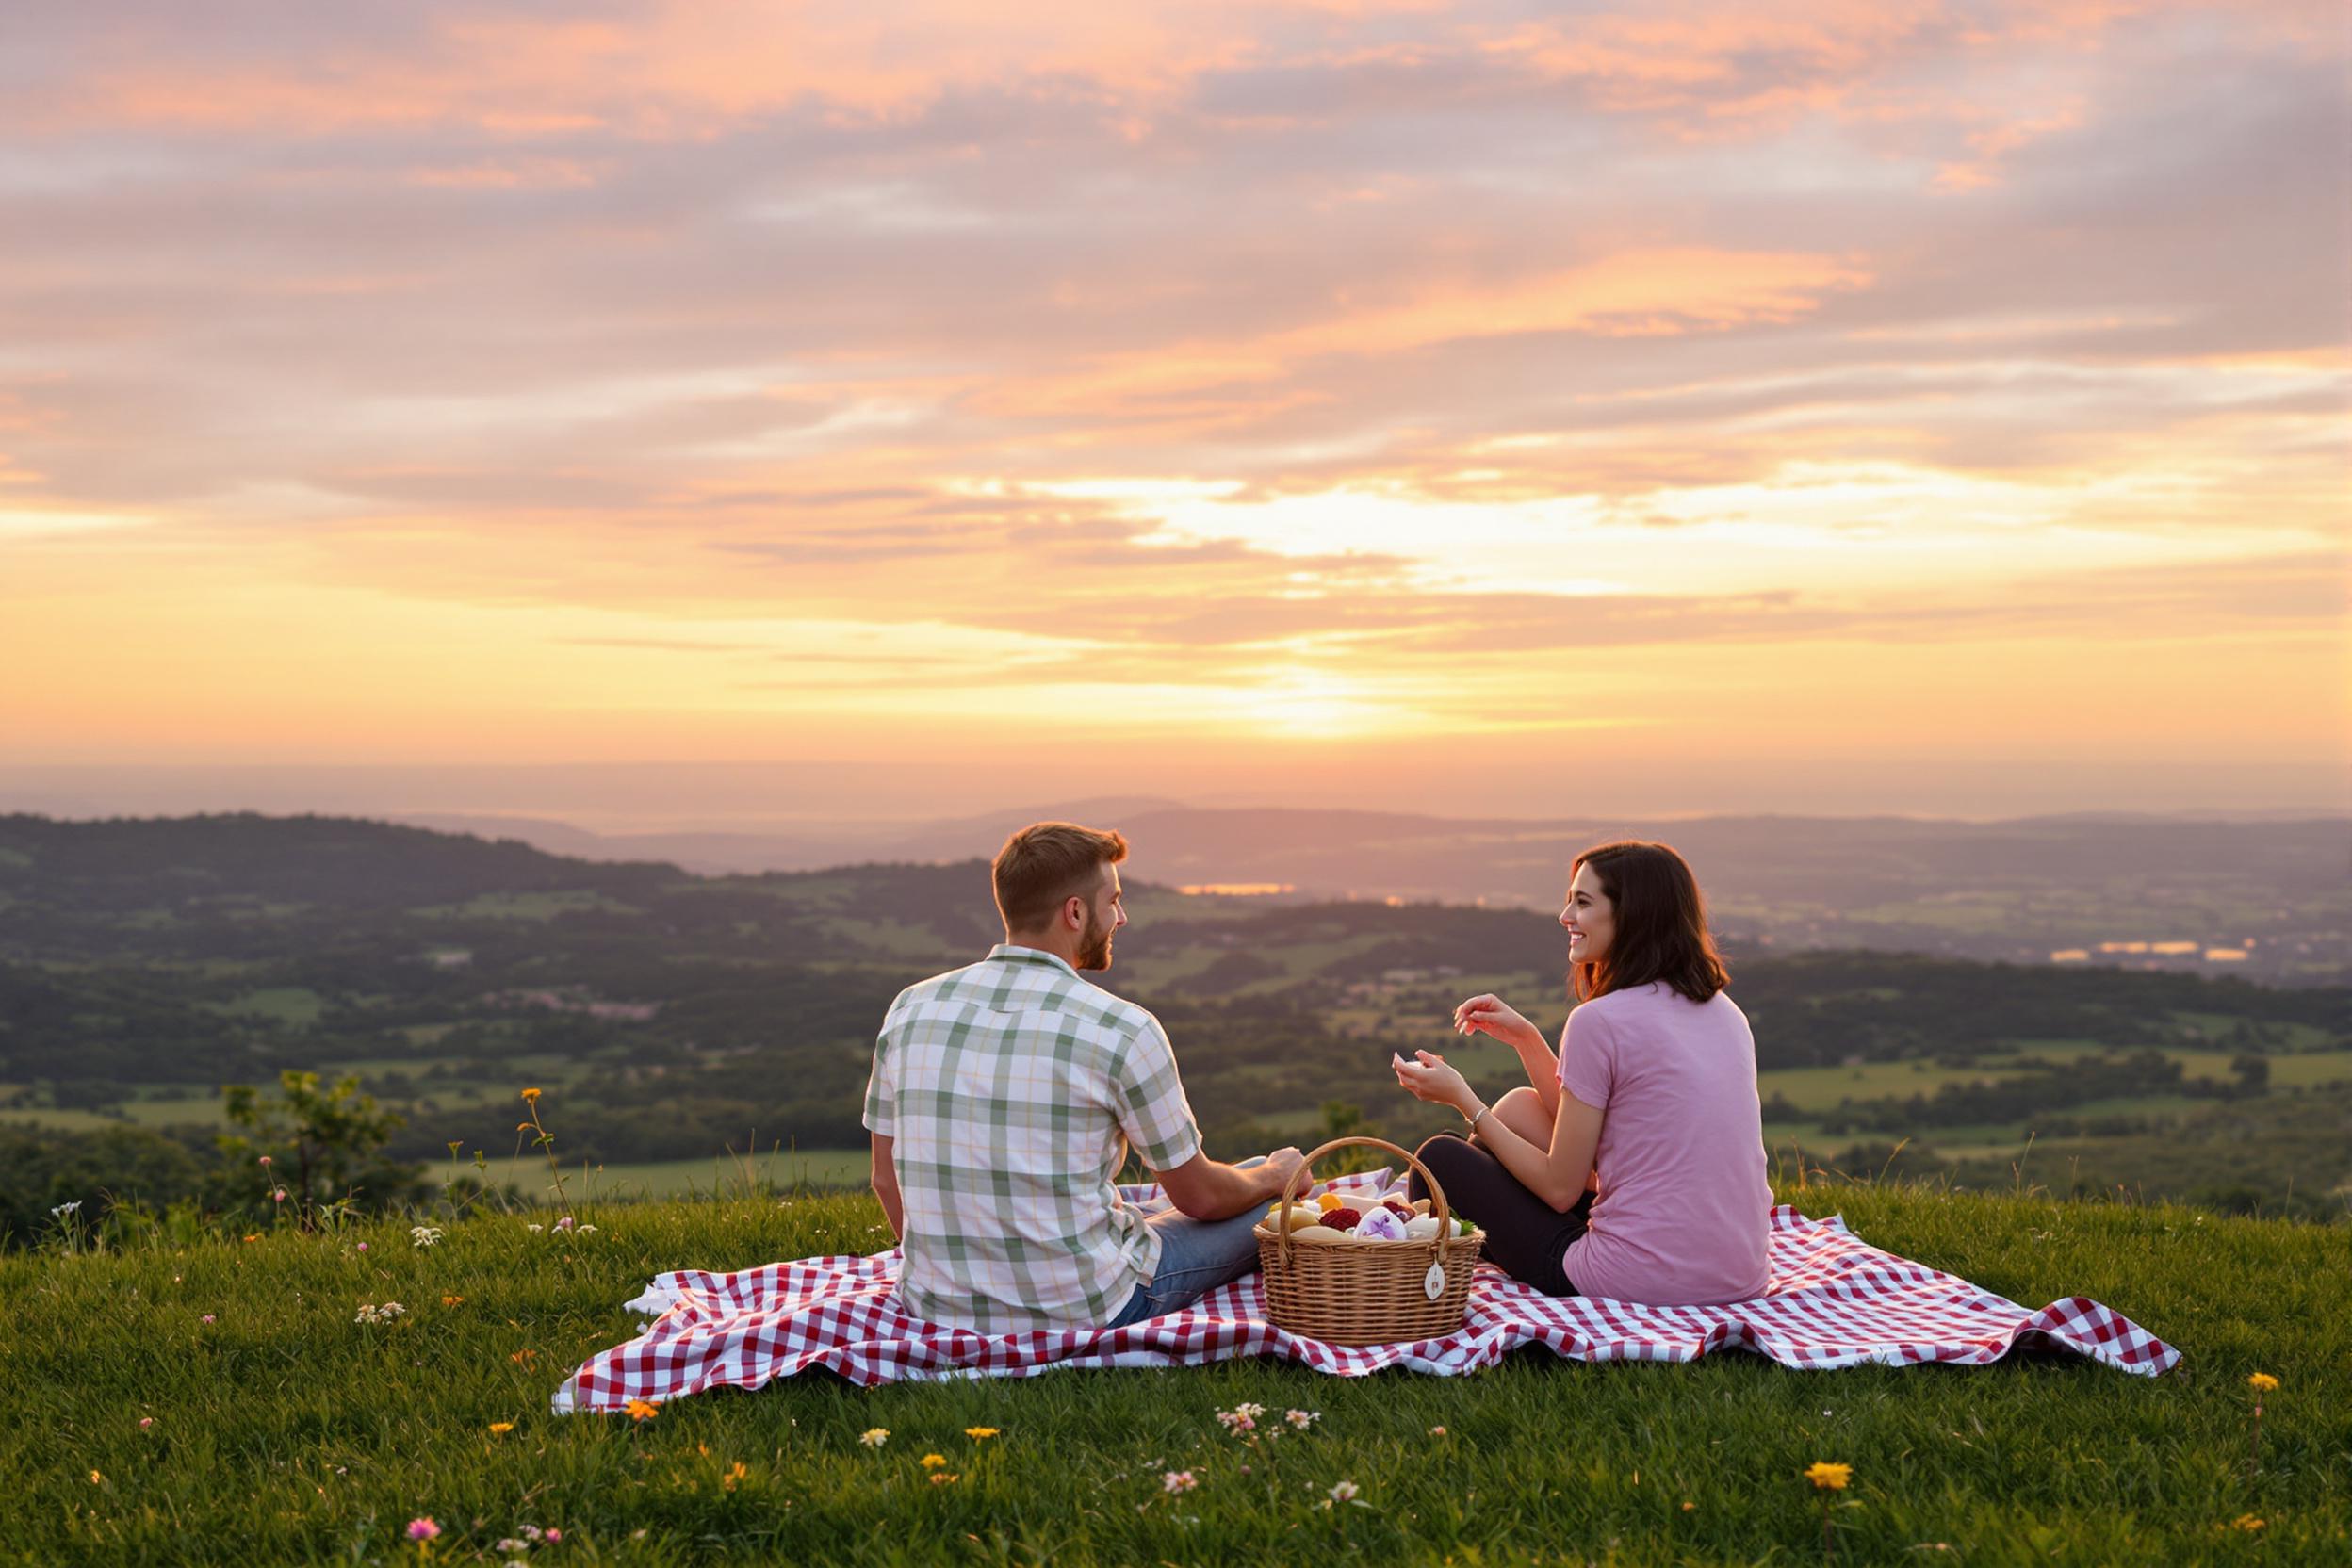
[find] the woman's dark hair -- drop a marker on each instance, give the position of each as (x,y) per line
(1660,924)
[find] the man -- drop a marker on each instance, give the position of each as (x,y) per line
(1004,1099)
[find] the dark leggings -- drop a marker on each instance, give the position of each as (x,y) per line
(1526,1237)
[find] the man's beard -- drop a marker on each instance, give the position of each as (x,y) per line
(1094,946)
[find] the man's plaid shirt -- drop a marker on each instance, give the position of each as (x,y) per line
(1013,1089)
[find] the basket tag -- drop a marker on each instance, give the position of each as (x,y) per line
(1434,1283)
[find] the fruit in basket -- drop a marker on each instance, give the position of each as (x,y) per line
(1329,1202)
(1343,1217)
(1380,1225)
(1398,1207)
(1318,1234)
(1300,1217)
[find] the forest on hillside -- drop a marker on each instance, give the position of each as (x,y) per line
(143,965)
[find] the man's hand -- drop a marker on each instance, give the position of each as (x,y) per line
(1281,1168)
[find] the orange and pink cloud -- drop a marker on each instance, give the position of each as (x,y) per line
(787,380)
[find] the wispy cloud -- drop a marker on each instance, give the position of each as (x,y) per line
(1353,365)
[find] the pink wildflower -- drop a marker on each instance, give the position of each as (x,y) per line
(1178,1481)
(422,1529)
(207,1317)
(265,1159)
(278,1197)
(554,1534)
(362,1247)
(145,1422)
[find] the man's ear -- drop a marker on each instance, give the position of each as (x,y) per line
(1074,913)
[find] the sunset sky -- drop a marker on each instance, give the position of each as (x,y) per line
(1716,406)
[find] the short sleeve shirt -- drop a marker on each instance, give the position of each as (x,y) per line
(1685,1205)
(1013,1090)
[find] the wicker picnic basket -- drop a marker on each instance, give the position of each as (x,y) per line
(1366,1292)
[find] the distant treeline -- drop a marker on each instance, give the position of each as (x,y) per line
(2255,1157)
(188,954)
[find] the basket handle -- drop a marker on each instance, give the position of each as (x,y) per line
(1297,1187)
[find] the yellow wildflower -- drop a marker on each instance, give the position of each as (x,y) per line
(979,1434)
(642,1410)
(738,1472)
(499,1428)
(531,1094)
(2246,1521)
(452,1301)
(524,1357)
(941,1478)
(2262,1382)
(874,1437)
(1830,1477)
(96,1479)
(933,1461)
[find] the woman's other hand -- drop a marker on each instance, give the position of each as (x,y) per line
(1427,1077)
(1492,1014)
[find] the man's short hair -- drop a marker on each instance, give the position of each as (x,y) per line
(1047,862)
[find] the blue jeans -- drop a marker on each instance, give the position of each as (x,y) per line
(1196,1256)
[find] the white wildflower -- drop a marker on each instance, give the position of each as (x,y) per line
(1302,1419)
(1344,1492)
(424,1236)
(64,1209)
(1178,1481)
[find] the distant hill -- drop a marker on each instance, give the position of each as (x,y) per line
(145,962)
(2015,891)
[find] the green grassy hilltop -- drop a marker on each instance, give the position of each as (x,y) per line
(281,1431)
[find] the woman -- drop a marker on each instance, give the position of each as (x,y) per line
(1632,1166)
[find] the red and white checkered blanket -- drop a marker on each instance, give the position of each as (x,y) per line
(1834,1302)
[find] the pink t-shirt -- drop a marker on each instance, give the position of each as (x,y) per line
(1684,1202)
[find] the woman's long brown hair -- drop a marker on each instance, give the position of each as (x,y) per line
(1660,924)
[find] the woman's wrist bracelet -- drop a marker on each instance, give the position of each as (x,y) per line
(1474,1115)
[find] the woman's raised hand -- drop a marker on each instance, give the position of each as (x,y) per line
(1492,1014)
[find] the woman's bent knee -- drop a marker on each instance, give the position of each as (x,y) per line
(1521,1111)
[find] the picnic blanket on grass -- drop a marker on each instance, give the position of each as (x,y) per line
(1834,1300)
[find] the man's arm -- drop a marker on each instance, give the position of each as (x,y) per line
(1203,1188)
(886,1186)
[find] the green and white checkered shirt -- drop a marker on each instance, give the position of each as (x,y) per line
(1014,1089)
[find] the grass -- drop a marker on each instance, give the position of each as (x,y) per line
(285,1432)
(774,1171)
